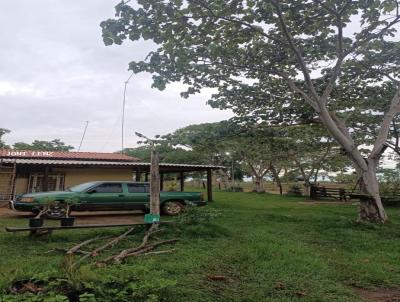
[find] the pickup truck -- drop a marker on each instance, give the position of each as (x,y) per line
(105,196)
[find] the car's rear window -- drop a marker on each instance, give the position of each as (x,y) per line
(138,188)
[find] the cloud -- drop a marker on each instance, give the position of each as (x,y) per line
(56,73)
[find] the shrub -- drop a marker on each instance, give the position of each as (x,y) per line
(197,215)
(294,190)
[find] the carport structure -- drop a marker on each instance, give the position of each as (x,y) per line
(58,170)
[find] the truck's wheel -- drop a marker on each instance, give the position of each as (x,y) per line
(58,210)
(172,208)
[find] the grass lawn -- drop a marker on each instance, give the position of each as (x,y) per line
(266,247)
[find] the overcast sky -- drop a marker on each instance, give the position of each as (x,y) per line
(56,73)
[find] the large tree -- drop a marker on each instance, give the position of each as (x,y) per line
(211,143)
(251,45)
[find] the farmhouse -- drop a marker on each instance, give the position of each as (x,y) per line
(40,171)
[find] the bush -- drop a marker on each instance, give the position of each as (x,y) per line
(391,201)
(295,190)
(197,215)
(123,284)
(234,189)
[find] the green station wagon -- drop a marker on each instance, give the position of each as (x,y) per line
(106,196)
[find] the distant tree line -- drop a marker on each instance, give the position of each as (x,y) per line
(36,145)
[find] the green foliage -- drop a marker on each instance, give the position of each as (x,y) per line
(389,186)
(234,189)
(37,145)
(295,190)
(125,284)
(168,154)
(3,145)
(241,49)
(198,215)
(345,178)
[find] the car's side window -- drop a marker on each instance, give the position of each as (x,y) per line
(136,188)
(109,188)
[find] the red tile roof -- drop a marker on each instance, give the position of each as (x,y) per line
(95,156)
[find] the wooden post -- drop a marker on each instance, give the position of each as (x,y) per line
(161,182)
(137,176)
(182,181)
(45,184)
(146,177)
(154,184)
(209,185)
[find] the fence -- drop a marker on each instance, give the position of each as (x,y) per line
(319,193)
(390,198)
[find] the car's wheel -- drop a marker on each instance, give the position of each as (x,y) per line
(57,210)
(172,208)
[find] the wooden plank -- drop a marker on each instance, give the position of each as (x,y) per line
(209,185)
(182,181)
(83,226)
(137,176)
(161,182)
(154,184)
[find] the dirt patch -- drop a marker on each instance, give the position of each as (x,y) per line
(106,217)
(378,295)
(6,212)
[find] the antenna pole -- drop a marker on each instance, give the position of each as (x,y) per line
(83,136)
(123,114)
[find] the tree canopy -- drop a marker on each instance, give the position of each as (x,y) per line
(168,154)
(38,145)
(3,131)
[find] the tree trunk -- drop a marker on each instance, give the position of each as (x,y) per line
(223,176)
(307,186)
(316,176)
(277,179)
(259,184)
(371,207)
(154,184)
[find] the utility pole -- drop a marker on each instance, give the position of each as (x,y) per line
(233,177)
(154,177)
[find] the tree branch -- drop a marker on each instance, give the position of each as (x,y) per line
(379,146)
(233,20)
(296,50)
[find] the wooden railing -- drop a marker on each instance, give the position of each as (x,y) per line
(319,193)
(391,198)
